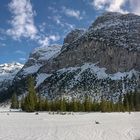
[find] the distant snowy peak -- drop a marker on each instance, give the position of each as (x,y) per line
(8,71)
(10,68)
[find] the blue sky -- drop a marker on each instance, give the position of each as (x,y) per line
(27,24)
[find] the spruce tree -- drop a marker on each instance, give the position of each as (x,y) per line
(40,103)
(22,103)
(46,105)
(88,104)
(120,103)
(75,106)
(103,105)
(31,98)
(137,101)
(82,107)
(14,102)
(63,105)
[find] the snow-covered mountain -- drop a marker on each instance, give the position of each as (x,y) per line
(101,61)
(7,74)
(8,71)
(37,59)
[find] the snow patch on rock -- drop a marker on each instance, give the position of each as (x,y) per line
(45,53)
(32,69)
(41,77)
(99,72)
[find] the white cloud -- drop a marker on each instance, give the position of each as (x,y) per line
(116,6)
(133,6)
(52,9)
(72,13)
(22,21)
(42,27)
(45,41)
(57,19)
(22,59)
(110,5)
(67,26)
(54,37)
(100,4)
(70,26)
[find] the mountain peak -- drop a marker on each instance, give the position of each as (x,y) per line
(7,73)
(10,66)
(71,36)
(115,17)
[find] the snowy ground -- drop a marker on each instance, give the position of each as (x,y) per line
(28,126)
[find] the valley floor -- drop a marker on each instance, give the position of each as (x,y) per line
(79,126)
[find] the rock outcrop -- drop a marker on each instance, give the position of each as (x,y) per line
(113,41)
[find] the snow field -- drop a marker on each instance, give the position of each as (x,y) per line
(80,126)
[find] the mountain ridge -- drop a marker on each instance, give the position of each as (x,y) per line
(101,61)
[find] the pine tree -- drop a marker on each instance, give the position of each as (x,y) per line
(120,103)
(109,106)
(22,103)
(40,104)
(46,105)
(75,106)
(31,98)
(103,105)
(82,107)
(132,102)
(63,105)
(127,102)
(14,102)
(127,106)
(88,104)
(137,101)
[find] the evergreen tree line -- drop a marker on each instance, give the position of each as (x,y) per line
(132,101)
(31,102)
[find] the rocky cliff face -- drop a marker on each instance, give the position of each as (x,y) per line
(113,41)
(73,35)
(101,61)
